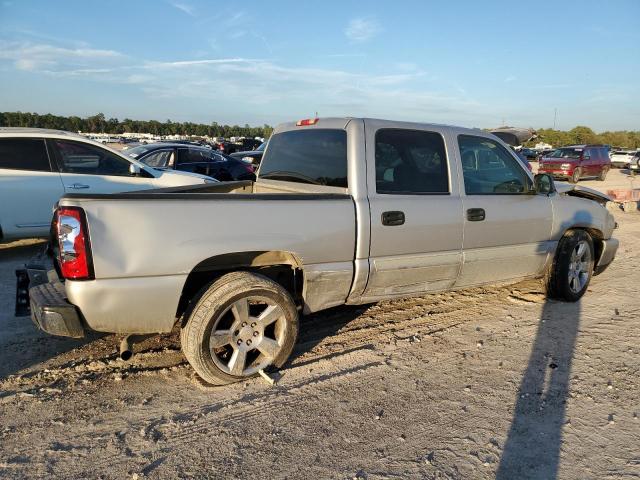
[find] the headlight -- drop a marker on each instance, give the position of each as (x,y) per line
(210,180)
(247,159)
(564,166)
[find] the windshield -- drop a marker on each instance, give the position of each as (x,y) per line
(261,147)
(566,153)
(135,152)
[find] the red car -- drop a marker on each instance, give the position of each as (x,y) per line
(576,162)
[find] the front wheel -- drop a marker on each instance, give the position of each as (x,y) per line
(572,267)
(242,323)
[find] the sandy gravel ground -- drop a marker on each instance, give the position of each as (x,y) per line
(492,382)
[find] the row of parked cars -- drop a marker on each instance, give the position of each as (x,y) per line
(38,166)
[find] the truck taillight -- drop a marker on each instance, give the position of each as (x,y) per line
(306,122)
(73,243)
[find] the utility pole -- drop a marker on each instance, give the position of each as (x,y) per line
(555,117)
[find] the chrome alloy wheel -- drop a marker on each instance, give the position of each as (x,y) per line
(579,271)
(248,336)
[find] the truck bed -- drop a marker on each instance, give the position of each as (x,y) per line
(147,243)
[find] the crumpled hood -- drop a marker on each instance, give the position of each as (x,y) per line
(564,188)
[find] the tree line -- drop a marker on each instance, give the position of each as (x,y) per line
(581,135)
(100,124)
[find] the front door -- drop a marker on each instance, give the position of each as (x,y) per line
(506,228)
(416,212)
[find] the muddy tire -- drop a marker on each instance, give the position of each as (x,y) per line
(575,178)
(572,267)
(603,174)
(240,324)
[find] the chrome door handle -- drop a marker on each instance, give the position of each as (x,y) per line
(78,186)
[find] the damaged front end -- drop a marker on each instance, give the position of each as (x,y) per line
(582,192)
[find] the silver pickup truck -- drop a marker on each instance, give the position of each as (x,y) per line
(344,211)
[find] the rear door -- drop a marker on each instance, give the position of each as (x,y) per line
(506,228)
(415,211)
(29,187)
(88,168)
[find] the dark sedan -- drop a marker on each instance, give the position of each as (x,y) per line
(192,158)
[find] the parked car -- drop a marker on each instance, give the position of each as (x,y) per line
(529,153)
(634,162)
(424,208)
(253,157)
(621,158)
(576,162)
(38,166)
(226,147)
(192,158)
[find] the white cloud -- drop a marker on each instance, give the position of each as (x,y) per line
(28,56)
(362,29)
(255,88)
(509,79)
(184,7)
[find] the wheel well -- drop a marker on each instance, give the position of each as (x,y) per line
(283,268)
(596,235)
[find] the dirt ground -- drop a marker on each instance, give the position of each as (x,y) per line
(486,383)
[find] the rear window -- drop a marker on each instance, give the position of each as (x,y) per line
(566,153)
(24,154)
(317,156)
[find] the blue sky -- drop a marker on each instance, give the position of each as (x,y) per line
(470,63)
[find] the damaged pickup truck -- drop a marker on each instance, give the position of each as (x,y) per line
(343,211)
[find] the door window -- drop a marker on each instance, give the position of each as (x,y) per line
(489,169)
(195,155)
(159,159)
(82,158)
(24,154)
(410,162)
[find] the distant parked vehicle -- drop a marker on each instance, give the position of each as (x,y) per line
(529,153)
(621,158)
(634,162)
(253,157)
(192,158)
(38,166)
(576,162)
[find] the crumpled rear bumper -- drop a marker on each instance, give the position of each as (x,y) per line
(609,249)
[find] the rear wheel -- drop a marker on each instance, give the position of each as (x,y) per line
(572,266)
(242,323)
(576,176)
(603,174)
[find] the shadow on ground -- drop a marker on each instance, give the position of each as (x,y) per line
(534,442)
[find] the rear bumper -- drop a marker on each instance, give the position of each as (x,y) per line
(609,249)
(52,313)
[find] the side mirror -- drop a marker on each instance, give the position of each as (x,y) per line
(134,169)
(543,184)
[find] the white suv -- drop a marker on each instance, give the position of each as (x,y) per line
(38,166)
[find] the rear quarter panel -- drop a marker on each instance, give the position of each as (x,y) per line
(144,249)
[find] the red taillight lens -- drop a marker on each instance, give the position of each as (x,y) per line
(306,122)
(73,243)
